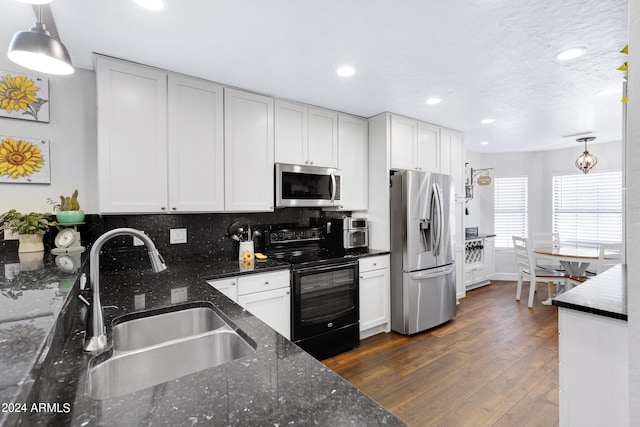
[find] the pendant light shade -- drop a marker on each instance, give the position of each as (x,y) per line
(586,161)
(36,49)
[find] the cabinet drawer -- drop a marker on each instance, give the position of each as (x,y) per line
(263,282)
(227,286)
(373,263)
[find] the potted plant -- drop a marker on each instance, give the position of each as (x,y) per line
(30,228)
(68,210)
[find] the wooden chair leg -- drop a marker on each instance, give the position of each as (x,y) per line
(519,287)
(552,292)
(532,291)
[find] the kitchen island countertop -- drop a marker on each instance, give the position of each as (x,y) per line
(604,294)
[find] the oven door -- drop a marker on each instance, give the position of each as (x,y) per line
(307,186)
(324,298)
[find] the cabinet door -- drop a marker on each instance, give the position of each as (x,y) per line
(323,138)
(353,143)
(248,151)
(196,145)
(228,286)
(291,140)
(132,137)
(428,147)
(272,307)
(445,152)
(452,159)
(374,298)
(404,134)
(489,257)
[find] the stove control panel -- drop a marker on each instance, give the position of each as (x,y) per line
(294,235)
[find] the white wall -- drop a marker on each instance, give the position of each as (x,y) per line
(72,135)
(633,212)
(539,166)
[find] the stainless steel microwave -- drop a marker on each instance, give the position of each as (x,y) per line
(307,186)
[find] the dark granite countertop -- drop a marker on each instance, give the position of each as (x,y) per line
(604,294)
(278,385)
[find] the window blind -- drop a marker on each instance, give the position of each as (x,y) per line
(587,209)
(511,209)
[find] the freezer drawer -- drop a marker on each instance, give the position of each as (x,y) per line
(426,299)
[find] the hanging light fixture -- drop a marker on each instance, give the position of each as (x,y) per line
(586,161)
(37,50)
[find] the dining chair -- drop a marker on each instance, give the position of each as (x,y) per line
(609,254)
(546,239)
(527,270)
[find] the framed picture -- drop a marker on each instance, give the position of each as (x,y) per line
(24,160)
(24,97)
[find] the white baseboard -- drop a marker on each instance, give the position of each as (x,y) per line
(504,276)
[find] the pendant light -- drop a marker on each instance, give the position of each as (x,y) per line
(37,50)
(586,161)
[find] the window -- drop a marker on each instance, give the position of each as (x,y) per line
(587,209)
(511,208)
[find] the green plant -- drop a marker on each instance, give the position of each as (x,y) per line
(66,203)
(31,223)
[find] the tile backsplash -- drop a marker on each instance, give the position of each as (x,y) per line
(206,233)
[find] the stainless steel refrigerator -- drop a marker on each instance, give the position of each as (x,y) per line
(423,270)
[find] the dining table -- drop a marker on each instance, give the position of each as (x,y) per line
(574,260)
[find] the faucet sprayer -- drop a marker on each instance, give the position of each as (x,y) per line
(95,337)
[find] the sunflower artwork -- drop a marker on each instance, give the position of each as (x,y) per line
(24,97)
(24,161)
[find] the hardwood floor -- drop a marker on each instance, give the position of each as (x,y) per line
(494,364)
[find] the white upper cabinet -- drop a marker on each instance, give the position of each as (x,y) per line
(353,143)
(291,133)
(452,158)
(323,138)
(428,147)
(404,135)
(160,140)
(414,145)
(305,135)
(196,145)
(132,137)
(248,153)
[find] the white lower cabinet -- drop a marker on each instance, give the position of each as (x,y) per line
(594,369)
(265,295)
(374,300)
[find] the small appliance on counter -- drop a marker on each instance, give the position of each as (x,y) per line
(347,233)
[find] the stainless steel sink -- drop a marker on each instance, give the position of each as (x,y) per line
(146,331)
(168,352)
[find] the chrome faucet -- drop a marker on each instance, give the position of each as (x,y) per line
(95,337)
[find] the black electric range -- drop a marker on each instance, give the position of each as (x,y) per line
(324,298)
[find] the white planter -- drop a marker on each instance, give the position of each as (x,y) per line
(30,243)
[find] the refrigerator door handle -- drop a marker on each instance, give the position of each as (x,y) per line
(437,218)
(420,276)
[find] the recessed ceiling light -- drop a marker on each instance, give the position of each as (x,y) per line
(487,121)
(484,143)
(433,101)
(346,71)
(609,91)
(572,53)
(151,4)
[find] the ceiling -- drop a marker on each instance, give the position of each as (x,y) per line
(483,58)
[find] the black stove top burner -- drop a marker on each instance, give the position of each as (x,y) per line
(301,246)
